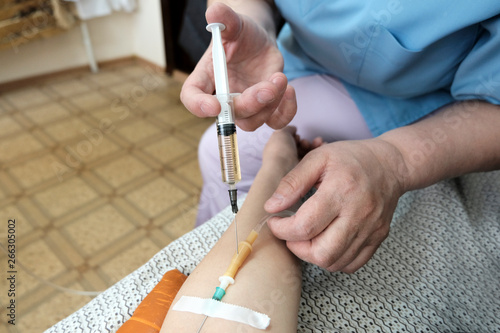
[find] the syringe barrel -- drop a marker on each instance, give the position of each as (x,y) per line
(228,144)
(228,151)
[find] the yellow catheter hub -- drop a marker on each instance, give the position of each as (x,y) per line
(244,250)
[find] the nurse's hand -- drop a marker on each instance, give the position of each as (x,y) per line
(254,66)
(341,226)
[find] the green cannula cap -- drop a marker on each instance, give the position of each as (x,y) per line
(219,293)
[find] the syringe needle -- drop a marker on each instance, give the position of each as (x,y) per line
(234,207)
(236,232)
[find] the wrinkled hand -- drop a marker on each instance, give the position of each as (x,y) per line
(254,66)
(341,226)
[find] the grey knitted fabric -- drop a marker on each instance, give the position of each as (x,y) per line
(438,271)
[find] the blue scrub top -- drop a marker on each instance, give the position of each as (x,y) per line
(399,59)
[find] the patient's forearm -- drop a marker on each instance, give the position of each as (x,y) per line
(268,281)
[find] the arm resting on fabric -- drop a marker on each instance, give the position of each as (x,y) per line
(269,281)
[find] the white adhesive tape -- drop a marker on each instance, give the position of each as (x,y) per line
(218,309)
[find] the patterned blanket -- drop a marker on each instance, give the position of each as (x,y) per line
(438,271)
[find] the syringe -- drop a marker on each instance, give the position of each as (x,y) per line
(226,129)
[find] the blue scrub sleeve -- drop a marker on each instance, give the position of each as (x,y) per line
(478,76)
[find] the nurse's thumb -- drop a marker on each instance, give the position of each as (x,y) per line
(294,186)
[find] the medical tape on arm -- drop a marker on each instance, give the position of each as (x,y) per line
(218,309)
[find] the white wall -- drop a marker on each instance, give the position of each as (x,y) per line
(148,32)
(116,36)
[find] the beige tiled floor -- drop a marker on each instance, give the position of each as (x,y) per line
(100,173)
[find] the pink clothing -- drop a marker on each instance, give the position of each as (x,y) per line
(325,109)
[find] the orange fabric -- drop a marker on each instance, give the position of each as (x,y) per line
(149,315)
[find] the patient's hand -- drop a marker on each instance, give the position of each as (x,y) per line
(286,148)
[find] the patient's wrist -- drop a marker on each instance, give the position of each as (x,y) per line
(280,165)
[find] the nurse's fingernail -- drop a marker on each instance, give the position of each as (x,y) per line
(203,108)
(277,80)
(265,96)
(275,200)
